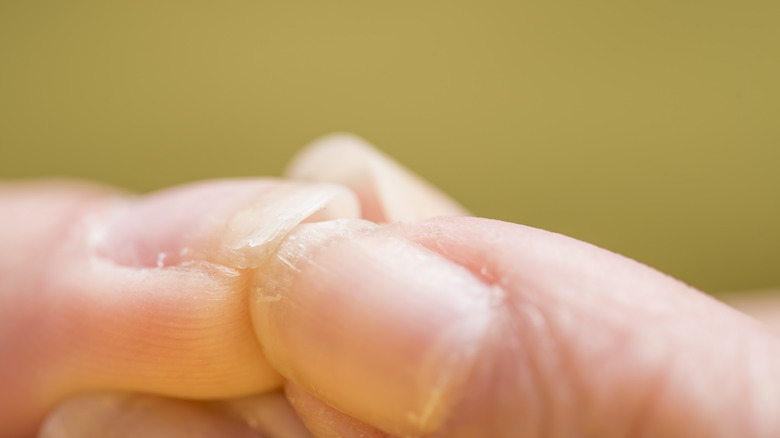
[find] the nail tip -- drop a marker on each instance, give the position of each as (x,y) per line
(255,230)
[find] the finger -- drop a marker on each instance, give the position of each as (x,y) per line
(135,415)
(612,347)
(271,414)
(494,329)
(138,415)
(374,325)
(106,291)
(387,191)
(324,421)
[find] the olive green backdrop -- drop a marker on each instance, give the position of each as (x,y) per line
(650,128)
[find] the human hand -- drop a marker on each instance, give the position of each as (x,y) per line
(444,327)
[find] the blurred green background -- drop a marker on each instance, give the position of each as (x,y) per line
(649,128)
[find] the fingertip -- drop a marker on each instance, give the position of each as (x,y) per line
(130,416)
(109,291)
(375,326)
(323,421)
(271,414)
(387,191)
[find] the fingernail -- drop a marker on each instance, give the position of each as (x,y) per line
(376,326)
(232,222)
(254,231)
(387,191)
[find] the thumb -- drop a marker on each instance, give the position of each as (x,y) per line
(468,327)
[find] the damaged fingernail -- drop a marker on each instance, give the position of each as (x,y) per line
(231,222)
(253,232)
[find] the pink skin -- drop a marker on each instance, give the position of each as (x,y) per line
(524,332)
(588,343)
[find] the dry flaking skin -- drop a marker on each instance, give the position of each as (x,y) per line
(390,343)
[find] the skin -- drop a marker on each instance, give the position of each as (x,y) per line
(274,308)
